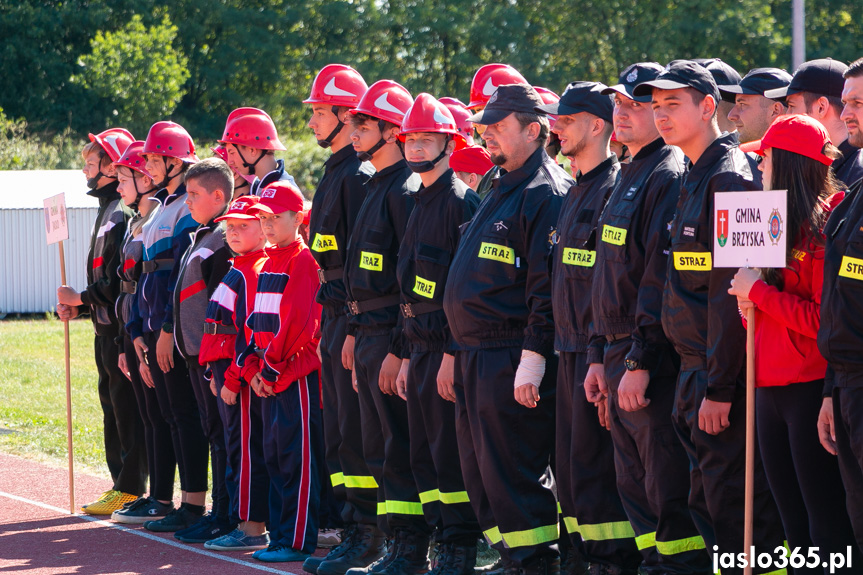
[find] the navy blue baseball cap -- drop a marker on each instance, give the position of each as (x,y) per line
(823,77)
(723,74)
(681,74)
(581,97)
(507,99)
(756,82)
(632,76)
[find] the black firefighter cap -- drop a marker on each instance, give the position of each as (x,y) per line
(681,74)
(822,77)
(756,82)
(632,76)
(582,97)
(507,99)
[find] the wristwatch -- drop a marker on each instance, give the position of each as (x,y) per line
(633,364)
(168,327)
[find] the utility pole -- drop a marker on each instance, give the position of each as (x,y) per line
(798,34)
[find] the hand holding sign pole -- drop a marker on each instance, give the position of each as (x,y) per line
(750,234)
(57,230)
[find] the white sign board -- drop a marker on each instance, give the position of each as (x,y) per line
(56,225)
(750,229)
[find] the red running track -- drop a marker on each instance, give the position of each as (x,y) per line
(39,537)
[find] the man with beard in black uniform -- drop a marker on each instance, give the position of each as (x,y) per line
(592,512)
(498,306)
(702,321)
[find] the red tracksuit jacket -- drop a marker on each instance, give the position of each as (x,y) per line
(286,318)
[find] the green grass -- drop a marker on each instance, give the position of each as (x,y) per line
(33,393)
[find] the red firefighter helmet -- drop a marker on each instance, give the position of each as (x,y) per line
(488,78)
(461,114)
(337,85)
(132,158)
(428,115)
(385,100)
(172,140)
(253,128)
(114,141)
(548,97)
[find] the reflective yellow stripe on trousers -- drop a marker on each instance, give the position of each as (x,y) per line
(337,479)
(400,507)
(360,482)
(535,536)
(600,531)
(450,498)
(680,545)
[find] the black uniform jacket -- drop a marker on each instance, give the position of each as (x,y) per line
(849,168)
(425,255)
(498,292)
(699,316)
(372,253)
(335,206)
(840,337)
(574,257)
(632,250)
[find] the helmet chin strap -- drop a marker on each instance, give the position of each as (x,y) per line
(328,141)
(138,194)
(429,165)
(250,167)
(93,183)
(168,177)
(368,154)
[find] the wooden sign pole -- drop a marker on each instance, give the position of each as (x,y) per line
(68,390)
(750,439)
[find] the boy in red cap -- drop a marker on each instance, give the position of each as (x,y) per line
(226,336)
(124,445)
(470,164)
(286,325)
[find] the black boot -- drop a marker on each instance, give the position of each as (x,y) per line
(549,565)
(349,535)
(460,560)
(499,567)
(411,557)
(380,564)
(606,569)
(369,545)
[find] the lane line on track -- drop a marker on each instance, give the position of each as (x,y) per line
(145,535)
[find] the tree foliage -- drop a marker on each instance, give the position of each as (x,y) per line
(136,72)
(265,53)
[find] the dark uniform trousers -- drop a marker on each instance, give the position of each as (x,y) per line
(211,423)
(652,468)
(343,431)
(292,450)
(246,478)
(125,450)
(847,407)
(386,438)
(717,472)
(592,511)
(434,453)
(505,451)
(804,478)
(161,463)
(180,410)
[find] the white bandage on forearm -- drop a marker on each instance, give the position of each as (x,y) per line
(530,370)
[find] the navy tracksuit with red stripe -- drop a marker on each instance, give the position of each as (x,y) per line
(247,479)
(285,325)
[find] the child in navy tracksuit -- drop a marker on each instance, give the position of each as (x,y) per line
(286,326)
(226,337)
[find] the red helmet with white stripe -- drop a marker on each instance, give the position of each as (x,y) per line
(548,97)
(114,141)
(461,114)
(385,100)
(337,85)
(172,140)
(428,115)
(488,78)
(132,158)
(253,128)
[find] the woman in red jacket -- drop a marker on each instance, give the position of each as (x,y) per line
(789,370)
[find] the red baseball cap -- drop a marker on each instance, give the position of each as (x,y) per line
(240,209)
(472,160)
(279,197)
(799,134)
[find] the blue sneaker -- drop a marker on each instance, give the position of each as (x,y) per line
(237,540)
(206,530)
(280,554)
